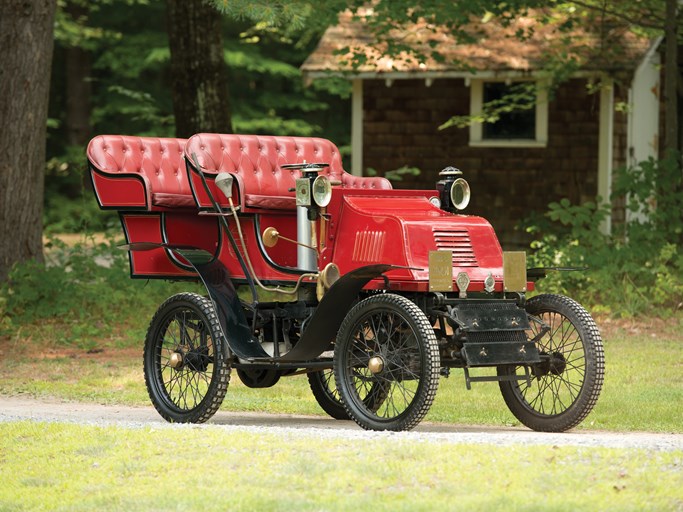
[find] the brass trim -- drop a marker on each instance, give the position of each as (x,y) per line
(460,187)
(375,364)
(270,237)
(327,277)
(514,271)
(440,271)
(176,360)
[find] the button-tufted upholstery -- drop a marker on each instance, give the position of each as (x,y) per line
(156,162)
(256,161)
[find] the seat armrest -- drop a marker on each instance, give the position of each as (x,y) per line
(121,189)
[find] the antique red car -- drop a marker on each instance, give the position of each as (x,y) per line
(374,293)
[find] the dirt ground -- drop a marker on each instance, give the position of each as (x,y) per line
(18,408)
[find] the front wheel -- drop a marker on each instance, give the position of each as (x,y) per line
(565,386)
(386,363)
(186,372)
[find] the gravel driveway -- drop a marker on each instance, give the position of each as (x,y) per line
(17,408)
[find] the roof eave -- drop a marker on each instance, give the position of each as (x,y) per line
(310,75)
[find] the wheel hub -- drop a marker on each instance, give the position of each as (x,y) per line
(176,360)
(554,363)
(197,359)
(376,364)
(557,363)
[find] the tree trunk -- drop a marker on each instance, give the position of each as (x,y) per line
(78,92)
(198,75)
(77,64)
(671,77)
(26,55)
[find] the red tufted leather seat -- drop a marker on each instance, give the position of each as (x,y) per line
(256,161)
(119,163)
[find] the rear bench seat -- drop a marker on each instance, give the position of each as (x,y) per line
(255,161)
(139,173)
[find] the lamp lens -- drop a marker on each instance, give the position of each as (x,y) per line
(460,194)
(322,191)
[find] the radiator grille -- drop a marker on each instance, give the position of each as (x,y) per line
(496,336)
(458,241)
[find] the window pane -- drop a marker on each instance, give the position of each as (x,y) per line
(520,124)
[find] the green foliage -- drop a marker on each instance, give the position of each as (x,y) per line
(266,88)
(520,97)
(70,206)
(126,45)
(67,215)
(83,294)
(636,270)
(293,13)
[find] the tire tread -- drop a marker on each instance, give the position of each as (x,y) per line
(219,385)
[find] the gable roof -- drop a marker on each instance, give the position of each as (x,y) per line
(495,49)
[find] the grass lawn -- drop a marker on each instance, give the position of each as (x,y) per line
(47,466)
(643,388)
(97,357)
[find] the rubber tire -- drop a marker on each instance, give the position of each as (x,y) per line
(567,310)
(328,399)
(368,415)
(203,309)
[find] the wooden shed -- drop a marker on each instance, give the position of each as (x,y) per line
(605,115)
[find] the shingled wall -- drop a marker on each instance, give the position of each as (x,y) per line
(401,128)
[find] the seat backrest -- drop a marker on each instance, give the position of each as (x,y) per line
(160,160)
(256,159)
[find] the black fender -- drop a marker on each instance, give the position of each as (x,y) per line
(321,329)
(216,279)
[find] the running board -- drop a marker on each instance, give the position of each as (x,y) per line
(497,378)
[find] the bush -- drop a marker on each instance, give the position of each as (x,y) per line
(82,296)
(638,269)
(70,205)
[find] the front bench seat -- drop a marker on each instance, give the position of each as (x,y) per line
(255,160)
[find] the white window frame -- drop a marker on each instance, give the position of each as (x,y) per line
(476,129)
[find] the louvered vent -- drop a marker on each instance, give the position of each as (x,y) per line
(458,241)
(369,246)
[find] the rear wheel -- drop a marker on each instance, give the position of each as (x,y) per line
(326,394)
(259,378)
(386,348)
(186,372)
(565,386)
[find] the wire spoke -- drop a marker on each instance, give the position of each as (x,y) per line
(558,384)
(390,336)
(187,385)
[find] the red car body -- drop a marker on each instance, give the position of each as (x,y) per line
(389,289)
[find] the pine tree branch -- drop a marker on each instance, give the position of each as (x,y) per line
(641,22)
